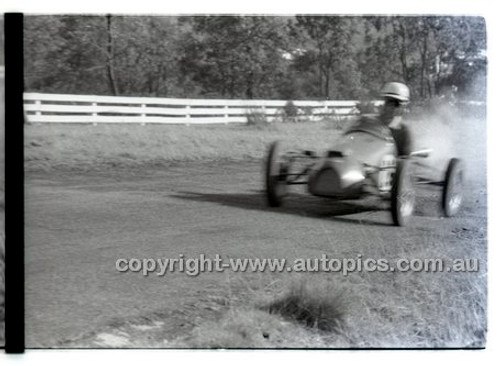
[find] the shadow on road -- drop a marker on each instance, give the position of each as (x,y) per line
(296,204)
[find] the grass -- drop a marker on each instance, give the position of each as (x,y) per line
(284,313)
(87,147)
(251,328)
(361,310)
(315,307)
(375,310)
(327,310)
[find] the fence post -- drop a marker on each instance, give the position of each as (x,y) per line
(226,115)
(38,103)
(263,109)
(94,115)
(188,115)
(143,116)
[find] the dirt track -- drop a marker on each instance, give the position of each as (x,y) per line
(78,225)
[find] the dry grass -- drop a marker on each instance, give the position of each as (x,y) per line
(251,328)
(374,310)
(317,307)
(87,147)
(363,309)
(289,313)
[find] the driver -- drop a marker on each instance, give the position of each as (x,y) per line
(396,96)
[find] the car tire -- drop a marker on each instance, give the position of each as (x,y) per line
(453,188)
(402,194)
(275,176)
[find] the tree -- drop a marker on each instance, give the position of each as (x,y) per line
(303,57)
(235,56)
(328,44)
(424,52)
(459,58)
(110,70)
(65,54)
(146,55)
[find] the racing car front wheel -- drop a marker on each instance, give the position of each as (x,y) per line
(402,195)
(275,176)
(453,188)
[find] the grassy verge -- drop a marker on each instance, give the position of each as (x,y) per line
(417,310)
(87,147)
(376,310)
(101,147)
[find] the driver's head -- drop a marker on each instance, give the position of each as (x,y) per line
(395,95)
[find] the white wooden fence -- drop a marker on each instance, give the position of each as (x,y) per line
(65,108)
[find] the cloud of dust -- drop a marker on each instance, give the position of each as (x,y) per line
(434,127)
(453,126)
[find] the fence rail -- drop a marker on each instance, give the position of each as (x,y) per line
(66,108)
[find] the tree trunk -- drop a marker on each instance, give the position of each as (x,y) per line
(423,66)
(429,88)
(402,52)
(327,85)
(109,62)
(249,86)
(437,80)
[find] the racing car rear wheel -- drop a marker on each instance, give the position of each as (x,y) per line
(275,181)
(402,195)
(453,188)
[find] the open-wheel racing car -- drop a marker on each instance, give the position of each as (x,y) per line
(363,162)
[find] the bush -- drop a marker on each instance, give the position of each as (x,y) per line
(256,117)
(311,306)
(306,111)
(366,107)
(291,109)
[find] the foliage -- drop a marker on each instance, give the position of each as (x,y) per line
(240,55)
(366,107)
(329,48)
(255,57)
(311,306)
(257,117)
(427,53)
(291,109)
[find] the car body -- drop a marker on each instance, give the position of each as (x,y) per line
(362,162)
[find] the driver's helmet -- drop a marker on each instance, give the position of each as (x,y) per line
(398,91)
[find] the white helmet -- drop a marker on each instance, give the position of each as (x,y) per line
(397,91)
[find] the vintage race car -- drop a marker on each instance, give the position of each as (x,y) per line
(363,162)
